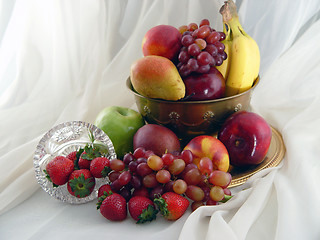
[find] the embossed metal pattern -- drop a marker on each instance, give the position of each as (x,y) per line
(238,107)
(191,118)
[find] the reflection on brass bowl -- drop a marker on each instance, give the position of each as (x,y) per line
(191,118)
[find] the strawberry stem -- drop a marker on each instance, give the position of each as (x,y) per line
(162,206)
(91,153)
(81,186)
(148,214)
(91,136)
(102,198)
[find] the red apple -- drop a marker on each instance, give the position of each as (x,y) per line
(162,40)
(207,86)
(156,138)
(208,146)
(247,137)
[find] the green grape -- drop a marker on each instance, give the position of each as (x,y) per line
(220,178)
(155,162)
(177,166)
(216,193)
(179,186)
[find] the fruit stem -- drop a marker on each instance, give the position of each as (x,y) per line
(226,198)
(231,19)
(162,206)
(91,136)
(229,11)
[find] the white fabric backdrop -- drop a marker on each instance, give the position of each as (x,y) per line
(66,60)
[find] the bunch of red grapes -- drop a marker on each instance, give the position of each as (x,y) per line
(144,173)
(202,48)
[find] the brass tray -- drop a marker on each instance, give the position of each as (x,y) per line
(274,157)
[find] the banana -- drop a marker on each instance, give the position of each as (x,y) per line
(225,66)
(244,54)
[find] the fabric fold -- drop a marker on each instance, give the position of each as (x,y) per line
(67,60)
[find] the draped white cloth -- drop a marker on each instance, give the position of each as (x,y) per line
(66,60)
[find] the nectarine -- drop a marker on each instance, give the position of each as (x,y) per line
(208,146)
(162,40)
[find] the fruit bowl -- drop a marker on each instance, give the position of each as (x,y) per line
(62,140)
(191,118)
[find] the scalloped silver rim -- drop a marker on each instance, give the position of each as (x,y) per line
(40,156)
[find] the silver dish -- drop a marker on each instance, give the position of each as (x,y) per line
(62,140)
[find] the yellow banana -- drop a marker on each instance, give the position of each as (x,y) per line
(225,66)
(244,53)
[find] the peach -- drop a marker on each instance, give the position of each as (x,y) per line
(208,146)
(162,40)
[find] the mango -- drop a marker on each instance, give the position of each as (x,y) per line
(157,77)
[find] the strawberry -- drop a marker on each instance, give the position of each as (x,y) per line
(103,192)
(89,153)
(114,207)
(172,205)
(72,156)
(142,209)
(84,163)
(99,167)
(58,170)
(81,183)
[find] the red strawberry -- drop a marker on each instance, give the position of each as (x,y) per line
(104,189)
(142,209)
(72,156)
(172,205)
(103,192)
(84,163)
(58,170)
(81,183)
(114,207)
(89,153)
(99,167)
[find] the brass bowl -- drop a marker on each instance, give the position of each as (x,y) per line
(191,118)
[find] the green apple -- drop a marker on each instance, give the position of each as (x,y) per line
(120,124)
